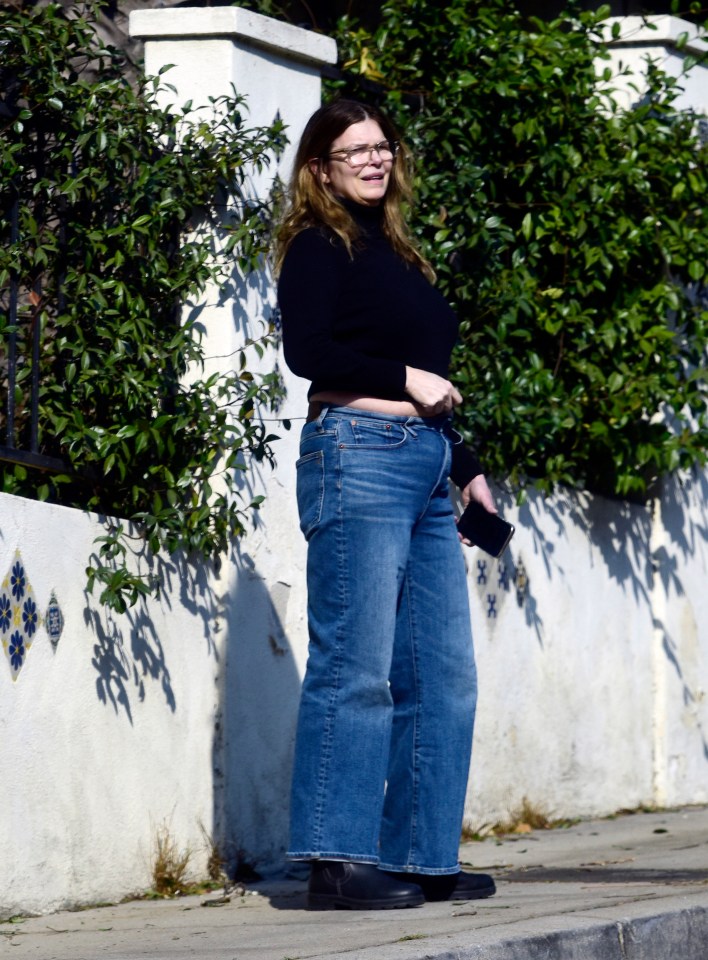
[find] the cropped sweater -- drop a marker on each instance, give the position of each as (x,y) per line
(354,323)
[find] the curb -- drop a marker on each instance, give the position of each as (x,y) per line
(680,934)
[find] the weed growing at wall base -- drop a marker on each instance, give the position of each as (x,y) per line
(523,818)
(170,865)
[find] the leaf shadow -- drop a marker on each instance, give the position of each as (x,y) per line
(129,653)
(658,555)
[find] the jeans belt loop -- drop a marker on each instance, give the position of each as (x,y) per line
(409,427)
(317,411)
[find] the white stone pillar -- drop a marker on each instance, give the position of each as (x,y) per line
(210,53)
(660,39)
(262,632)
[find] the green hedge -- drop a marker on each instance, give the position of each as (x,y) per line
(571,236)
(118,201)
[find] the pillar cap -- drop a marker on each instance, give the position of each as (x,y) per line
(658,31)
(236,24)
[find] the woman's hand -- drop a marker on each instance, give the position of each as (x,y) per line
(428,390)
(477,489)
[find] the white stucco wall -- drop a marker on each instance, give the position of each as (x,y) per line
(106,737)
(680,610)
(182,711)
(593,690)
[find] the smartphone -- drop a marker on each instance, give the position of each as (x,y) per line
(484,529)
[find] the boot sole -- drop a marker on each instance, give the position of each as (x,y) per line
(476,895)
(334,902)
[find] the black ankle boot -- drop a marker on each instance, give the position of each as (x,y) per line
(451,886)
(358,886)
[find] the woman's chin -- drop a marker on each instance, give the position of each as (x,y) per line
(373,197)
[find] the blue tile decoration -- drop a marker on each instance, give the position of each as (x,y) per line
(493,579)
(18,580)
(16,653)
(29,617)
(19,617)
(54,620)
(5,613)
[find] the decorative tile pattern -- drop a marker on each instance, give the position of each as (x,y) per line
(19,617)
(54,620)
(493,579)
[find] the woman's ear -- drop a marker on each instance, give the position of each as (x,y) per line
(318,171)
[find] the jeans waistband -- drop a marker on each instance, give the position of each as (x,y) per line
(318,410)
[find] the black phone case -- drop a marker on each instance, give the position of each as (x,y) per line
(486,530)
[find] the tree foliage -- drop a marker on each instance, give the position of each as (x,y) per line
(117,203)
(570,234)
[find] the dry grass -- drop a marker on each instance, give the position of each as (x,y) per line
(522,819)
(170,865)
(215,861)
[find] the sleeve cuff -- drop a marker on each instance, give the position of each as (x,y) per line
(465,466)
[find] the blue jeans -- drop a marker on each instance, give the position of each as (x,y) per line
(385,725)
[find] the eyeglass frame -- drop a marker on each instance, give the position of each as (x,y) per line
(393,146)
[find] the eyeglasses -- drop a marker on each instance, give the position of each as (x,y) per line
(360,156)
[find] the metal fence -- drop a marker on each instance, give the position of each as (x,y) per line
(20,369)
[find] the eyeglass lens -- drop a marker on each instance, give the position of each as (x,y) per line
(362,155)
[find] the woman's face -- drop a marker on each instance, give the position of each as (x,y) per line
(366,184)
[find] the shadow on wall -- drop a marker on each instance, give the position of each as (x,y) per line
(620,532)
(685,518)
(260,691)
(660,562)
(684,636)
(259,682)
(127,659)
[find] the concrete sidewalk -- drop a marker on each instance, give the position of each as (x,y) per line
(630,888)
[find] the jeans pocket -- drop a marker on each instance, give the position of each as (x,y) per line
(310,490)
(373,434)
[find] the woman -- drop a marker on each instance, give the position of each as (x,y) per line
(385,724)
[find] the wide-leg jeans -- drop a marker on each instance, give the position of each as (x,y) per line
(387,708)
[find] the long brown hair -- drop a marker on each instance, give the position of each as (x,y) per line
(312,204)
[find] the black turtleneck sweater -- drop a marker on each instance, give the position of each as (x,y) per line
(355,323)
